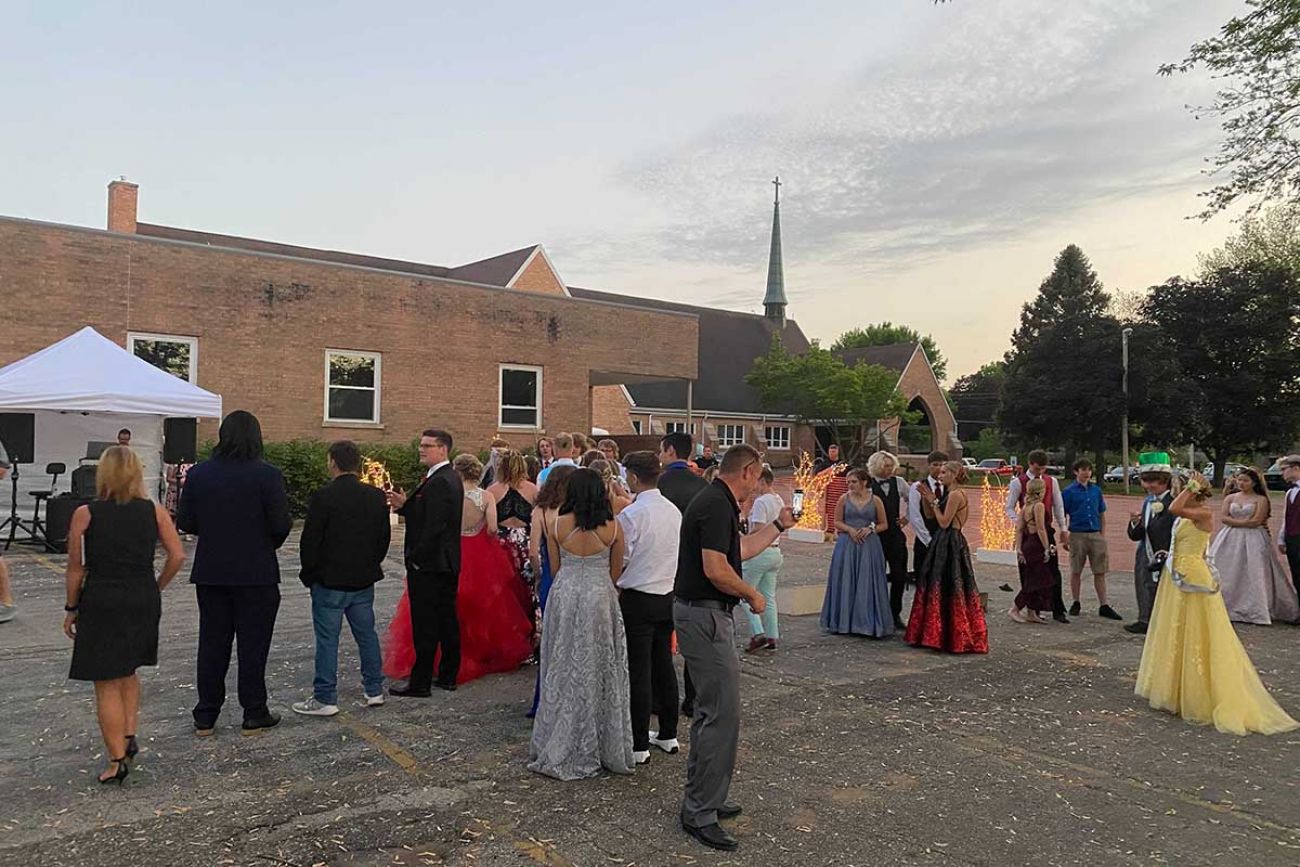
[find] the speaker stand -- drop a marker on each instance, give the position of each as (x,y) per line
(14,523)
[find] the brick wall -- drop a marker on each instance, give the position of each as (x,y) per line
(537,276)
(609,409)
(264,322)
(918,381)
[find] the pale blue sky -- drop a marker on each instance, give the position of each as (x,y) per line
(935,158)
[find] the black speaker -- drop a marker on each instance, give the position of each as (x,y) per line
(58,516)
(180,440)
(18,433)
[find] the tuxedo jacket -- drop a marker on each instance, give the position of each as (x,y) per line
(433,514)
(1157,529)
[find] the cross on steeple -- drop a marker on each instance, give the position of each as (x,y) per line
(776,182)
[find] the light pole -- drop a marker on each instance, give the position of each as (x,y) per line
(1123,341)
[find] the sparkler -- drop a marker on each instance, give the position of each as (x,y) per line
(814,486)
(997,531)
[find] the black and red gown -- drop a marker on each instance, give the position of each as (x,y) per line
(946,612)
(493,609)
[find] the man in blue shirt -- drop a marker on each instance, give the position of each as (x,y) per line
(1085,512)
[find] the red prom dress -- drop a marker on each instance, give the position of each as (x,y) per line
(946,611)
(495,627)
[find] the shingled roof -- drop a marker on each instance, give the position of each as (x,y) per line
(729,343)
(493,271)
(894,356)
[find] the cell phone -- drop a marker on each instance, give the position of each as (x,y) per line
(796,502)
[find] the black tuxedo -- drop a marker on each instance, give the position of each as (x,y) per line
(432,553)
(931,523)
(345,536)
(893,540)
(1156,532)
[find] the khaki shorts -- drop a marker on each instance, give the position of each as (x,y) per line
(1089,548)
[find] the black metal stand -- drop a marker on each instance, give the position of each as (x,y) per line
(14,523)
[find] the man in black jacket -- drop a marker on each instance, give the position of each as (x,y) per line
(344,542)
(432,551)
(679,484)
(1153,529)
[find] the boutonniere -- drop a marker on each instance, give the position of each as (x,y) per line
(1157,507)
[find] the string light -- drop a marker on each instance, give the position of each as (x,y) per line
(813,485)
(997,531)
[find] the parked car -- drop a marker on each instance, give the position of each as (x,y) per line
(997,466)
(1229,470)
(970,463)
(1273,478)
(1116,475)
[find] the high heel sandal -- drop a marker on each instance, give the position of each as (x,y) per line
(122,770)
(132,748)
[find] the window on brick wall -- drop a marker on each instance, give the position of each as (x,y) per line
(636,426)
(520,396)
(680,427)
(179,356)
(777,436)
(352,385)
(730,435)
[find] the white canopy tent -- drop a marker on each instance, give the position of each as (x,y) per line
(86,388)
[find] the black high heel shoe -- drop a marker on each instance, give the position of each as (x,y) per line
(132,748)
(122,770)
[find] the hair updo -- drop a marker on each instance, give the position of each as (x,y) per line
(958,470)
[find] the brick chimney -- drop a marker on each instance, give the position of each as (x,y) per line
(122,196)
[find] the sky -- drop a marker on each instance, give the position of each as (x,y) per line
(934,158)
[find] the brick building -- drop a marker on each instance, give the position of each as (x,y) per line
(722,410)
(322,344)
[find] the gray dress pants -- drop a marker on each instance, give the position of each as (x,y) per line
(706,637)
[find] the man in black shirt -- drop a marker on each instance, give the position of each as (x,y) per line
(708,586)
(679,484)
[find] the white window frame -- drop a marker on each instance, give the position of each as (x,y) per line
(781,443)
(378,387)
(501,407)
(636,426)
(681,427)
(726,442)
(193,342)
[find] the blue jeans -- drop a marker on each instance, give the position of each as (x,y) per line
(760,572)
(328,608)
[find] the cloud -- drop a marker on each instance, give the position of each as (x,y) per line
(1001,115)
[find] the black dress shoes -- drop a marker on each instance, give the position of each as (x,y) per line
(1138,628)
(405,690)
(1076,609)
(450,687)
(729,811)
(712,836)
(899,624)
(252,726)
(1060,618)
(1109,613)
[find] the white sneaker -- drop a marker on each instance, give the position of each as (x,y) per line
(374,700)
(641,757)
(669,746)
(7,612)
(311,707)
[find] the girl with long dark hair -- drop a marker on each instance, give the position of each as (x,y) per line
(1255,586)
(584,719)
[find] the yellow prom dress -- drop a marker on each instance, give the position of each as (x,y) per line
(1193,664)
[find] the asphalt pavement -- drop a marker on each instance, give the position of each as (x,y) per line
(854,752)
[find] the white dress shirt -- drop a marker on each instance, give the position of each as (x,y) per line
(914,516)
(433,469)
(1291,494)
(652,529)
(1058,505)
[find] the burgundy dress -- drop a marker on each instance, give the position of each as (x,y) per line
(1037,583)
(946,612)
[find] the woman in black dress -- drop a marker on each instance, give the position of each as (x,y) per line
(113,603)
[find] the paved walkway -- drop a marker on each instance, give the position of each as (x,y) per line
(854,752)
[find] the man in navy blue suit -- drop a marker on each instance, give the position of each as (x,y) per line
(236,504)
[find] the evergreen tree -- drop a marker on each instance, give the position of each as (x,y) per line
(1063,372)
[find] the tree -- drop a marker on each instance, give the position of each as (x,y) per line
(976,398)
(887,334)
(1271,240)
(987,445)
(1234,337)
(820,389)
(1255,56)
(1063,372)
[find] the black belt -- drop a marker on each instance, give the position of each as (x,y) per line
(716,604)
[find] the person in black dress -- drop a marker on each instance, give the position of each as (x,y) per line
(236,504)
(113,600)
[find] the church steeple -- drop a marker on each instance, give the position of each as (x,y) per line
(774,301)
